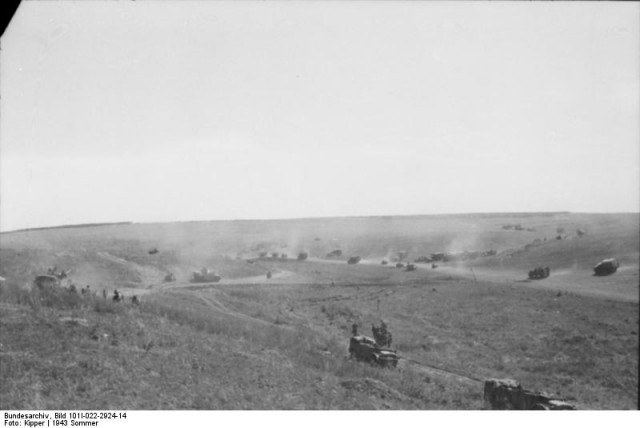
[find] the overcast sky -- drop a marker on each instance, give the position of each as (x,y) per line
(169,111)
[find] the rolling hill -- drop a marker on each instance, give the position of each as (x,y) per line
(252,342)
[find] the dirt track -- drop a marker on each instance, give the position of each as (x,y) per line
(435,371)
(621,286)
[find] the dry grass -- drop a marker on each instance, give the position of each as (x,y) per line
(282,344)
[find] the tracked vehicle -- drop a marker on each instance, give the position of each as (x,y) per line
(205,275)
(606,267)
(539,273)
(364,348)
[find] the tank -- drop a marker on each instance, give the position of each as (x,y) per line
(539,273)
(205,275)
(606,267)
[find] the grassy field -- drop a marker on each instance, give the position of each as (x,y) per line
(249,342)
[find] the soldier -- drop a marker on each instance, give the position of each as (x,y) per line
(116,296)
(104,293)
(383,327)
(354,329)
(384,335)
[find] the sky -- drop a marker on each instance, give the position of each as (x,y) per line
(159,111)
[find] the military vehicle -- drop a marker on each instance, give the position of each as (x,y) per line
(334,253)
(508,394)
(205,275)
(354,260)
(303,256)
(46,280)
(606,267)
(437,257)
(52,277)
(364,348)
(539,273)
(410,267)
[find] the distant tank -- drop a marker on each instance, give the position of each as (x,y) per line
(354,260)
(169,277)
(46,281)
(399,265)
(539,273)
(303,256)
(52,277)
(606,267)
(410,267)
(205,275)
(335,253)
(384,262)
(437,257)
(153,251)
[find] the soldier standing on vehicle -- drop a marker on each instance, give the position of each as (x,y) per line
(354,329)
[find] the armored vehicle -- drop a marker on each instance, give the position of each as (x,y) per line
(539,273)
(205,275)
(364,348)
(46,281)
(606,267)
(334,253)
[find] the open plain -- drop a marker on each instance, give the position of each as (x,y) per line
(250,341)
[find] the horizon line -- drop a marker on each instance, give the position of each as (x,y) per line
(381,216)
